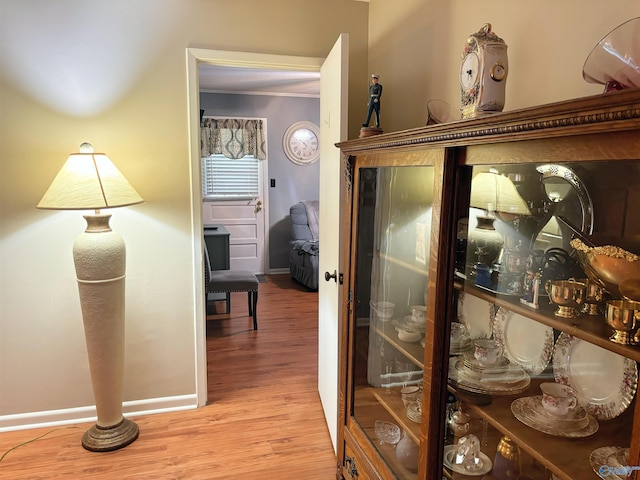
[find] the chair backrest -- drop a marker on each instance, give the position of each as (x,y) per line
(207,265)
(299,223)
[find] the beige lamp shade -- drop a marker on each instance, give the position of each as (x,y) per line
(89,181)
(494,192)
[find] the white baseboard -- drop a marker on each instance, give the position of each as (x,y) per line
(50,418)
(278,271)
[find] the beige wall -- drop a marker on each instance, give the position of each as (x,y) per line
(416,46)
(113,72)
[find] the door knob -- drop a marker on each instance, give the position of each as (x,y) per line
(258,206)
(328,276)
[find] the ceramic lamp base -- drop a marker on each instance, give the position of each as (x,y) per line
(106,439)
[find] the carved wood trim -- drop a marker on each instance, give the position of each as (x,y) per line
(590,114)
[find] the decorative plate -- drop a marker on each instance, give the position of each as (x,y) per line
(611,463)
(526,343)
(476,314)
(449,455)
(605,382)
(529,411)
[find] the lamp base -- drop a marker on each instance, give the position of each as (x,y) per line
(101,439)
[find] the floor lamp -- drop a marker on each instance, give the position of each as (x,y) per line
(90,181)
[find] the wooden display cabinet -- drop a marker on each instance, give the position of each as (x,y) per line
(411,241)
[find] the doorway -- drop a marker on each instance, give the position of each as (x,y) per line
(195,57)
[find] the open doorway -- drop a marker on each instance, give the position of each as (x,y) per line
(333,129)
(230,65)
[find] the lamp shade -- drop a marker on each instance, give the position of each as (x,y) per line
(494,192)
(89,181)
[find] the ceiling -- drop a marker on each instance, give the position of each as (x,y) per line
(248,80)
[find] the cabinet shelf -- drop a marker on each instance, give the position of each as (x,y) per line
(591,328)
(412,351)
(405,262)
(551,451)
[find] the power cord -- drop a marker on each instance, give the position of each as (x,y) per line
(33,440)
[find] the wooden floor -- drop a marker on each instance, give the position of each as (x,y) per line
(263,419)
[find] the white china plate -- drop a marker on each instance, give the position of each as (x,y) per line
(527,410)
(526,342)
(605,382)
(514,380)
(475,314)
(449,453)
(610,463)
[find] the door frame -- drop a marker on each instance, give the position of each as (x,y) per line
(195,56)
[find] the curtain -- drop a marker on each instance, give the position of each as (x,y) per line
(233,138)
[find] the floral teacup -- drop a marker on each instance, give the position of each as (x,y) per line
(487,352)
(557,399)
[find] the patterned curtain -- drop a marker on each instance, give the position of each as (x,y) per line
(233,138)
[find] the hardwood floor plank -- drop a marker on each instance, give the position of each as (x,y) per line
(263,417)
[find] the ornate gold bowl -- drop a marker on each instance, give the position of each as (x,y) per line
(608,265)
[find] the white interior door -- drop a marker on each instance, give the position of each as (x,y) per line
(244,219)
(333,129)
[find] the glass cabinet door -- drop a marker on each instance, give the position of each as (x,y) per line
(392,229)
(543,380)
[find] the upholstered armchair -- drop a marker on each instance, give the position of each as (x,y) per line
(304,246)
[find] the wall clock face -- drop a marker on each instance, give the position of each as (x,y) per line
(301,143)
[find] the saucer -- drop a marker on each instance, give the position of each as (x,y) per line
(449,455)
(511,382)
(576,420)
(461,346)
(529,410)
(501,366)
(408,324)
(610,462)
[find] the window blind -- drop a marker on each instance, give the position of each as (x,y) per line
(226,178)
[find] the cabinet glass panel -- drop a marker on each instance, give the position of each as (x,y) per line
(393,227)
(542,356)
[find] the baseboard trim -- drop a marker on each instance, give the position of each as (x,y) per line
(50,418)
(278,271)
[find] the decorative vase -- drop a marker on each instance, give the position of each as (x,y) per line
(407,452)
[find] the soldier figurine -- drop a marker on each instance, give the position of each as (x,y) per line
(375,92)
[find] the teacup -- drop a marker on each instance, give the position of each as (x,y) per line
(409,394)
(557,399)
(419,314)
(487,352)
(384,310)
(458,332)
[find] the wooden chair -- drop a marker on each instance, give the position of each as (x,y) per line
(227,281)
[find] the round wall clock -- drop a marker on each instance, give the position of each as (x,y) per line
(301,143)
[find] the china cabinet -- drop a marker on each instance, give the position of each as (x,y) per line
(475,222)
